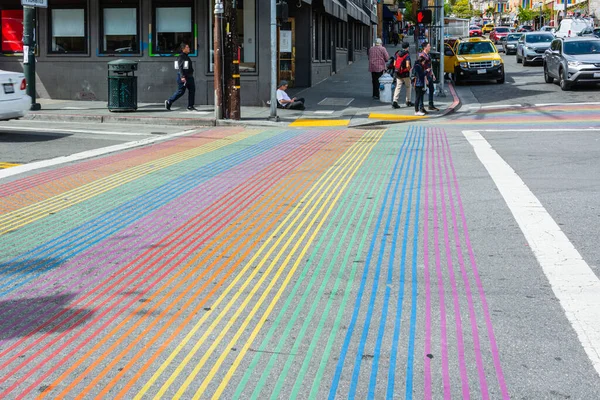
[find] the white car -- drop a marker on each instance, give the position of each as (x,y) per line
(14,102)
(571,27)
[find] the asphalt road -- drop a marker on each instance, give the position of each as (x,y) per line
(404,261)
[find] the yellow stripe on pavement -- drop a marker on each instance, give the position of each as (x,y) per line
(395,117)
(313,197)
(320,122)
(26,215)
(4,165)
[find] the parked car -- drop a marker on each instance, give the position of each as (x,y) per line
(487,28)
(589,31)
(475,31)
(14,102)
(510,43)
(547,28)
(473,59)
(572,61)
(532,46)
(498,33)
(525,28)
(571,27)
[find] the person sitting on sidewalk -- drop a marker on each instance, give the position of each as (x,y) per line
(284,100)
(402,74)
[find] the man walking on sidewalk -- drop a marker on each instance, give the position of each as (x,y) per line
(185,79)
(378,57)
(429,73)
(402,74)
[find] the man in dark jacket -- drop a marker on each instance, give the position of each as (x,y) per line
(185,79)
(402,75)
(421,81)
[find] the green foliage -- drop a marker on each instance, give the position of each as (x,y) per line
(525,15)
(462,9)
(490,11)
(409,12)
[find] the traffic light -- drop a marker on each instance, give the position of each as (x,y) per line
(424,17)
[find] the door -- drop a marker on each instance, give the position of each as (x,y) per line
(449,59)
(287,51)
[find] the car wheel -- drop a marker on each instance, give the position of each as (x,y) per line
(547,77)
(501,80)
(564,84)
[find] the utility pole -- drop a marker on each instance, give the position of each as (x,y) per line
(29,54)
(273,110)
(441,92)
(231,69)
(217,60)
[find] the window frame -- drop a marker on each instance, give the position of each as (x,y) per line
(70,5)
(154,4)
(101,7)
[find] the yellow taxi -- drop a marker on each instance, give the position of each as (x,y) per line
(473,59)
(487,28)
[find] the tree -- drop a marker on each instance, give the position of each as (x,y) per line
(525,15)
(490,11)
(462,9)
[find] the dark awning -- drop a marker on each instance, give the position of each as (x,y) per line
(333,7)
(387,14)
(357,13)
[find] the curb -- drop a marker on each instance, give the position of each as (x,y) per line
(123,119)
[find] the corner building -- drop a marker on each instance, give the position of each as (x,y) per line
(77,38)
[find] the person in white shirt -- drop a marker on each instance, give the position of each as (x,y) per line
(284,100)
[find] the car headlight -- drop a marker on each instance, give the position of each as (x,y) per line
(495,63)
(574,63)
(464,65)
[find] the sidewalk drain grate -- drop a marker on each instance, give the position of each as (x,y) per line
(336,101)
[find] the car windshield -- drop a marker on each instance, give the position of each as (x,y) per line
(513,37)
(502,30)
(474,27)
(539,38)
(582,47)
(475,48)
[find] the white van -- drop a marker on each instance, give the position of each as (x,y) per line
(571,27)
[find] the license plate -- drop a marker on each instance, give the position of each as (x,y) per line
(8,88)
(482,71)
(596,74)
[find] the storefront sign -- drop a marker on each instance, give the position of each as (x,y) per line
(285,41)
(35,3)
(12,31)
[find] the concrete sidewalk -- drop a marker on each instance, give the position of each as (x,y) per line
(343,99)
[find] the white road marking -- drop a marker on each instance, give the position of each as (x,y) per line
(87,154)
(196,112)
(572,280)
(324,112)
(567,104)
(67,130)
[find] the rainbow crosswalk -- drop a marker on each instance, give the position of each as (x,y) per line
(247,263)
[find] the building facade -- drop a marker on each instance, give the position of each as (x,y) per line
(77,38)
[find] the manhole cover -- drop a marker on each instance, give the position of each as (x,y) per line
(336,101)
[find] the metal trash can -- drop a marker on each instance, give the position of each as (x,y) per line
(435,65)
(122,85)
(385,88)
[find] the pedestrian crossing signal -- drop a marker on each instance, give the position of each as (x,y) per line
(424,16)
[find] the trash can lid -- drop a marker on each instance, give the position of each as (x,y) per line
(123,62)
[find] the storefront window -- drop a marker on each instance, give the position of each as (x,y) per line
(119,27)
(246,31)
(11,34)
(173,25)
(68,30)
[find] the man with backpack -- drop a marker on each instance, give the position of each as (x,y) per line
(402,74)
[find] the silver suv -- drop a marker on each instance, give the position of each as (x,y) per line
(573,60)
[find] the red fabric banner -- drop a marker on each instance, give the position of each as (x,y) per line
(12,31)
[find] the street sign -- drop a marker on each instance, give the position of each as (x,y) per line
(35,3)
